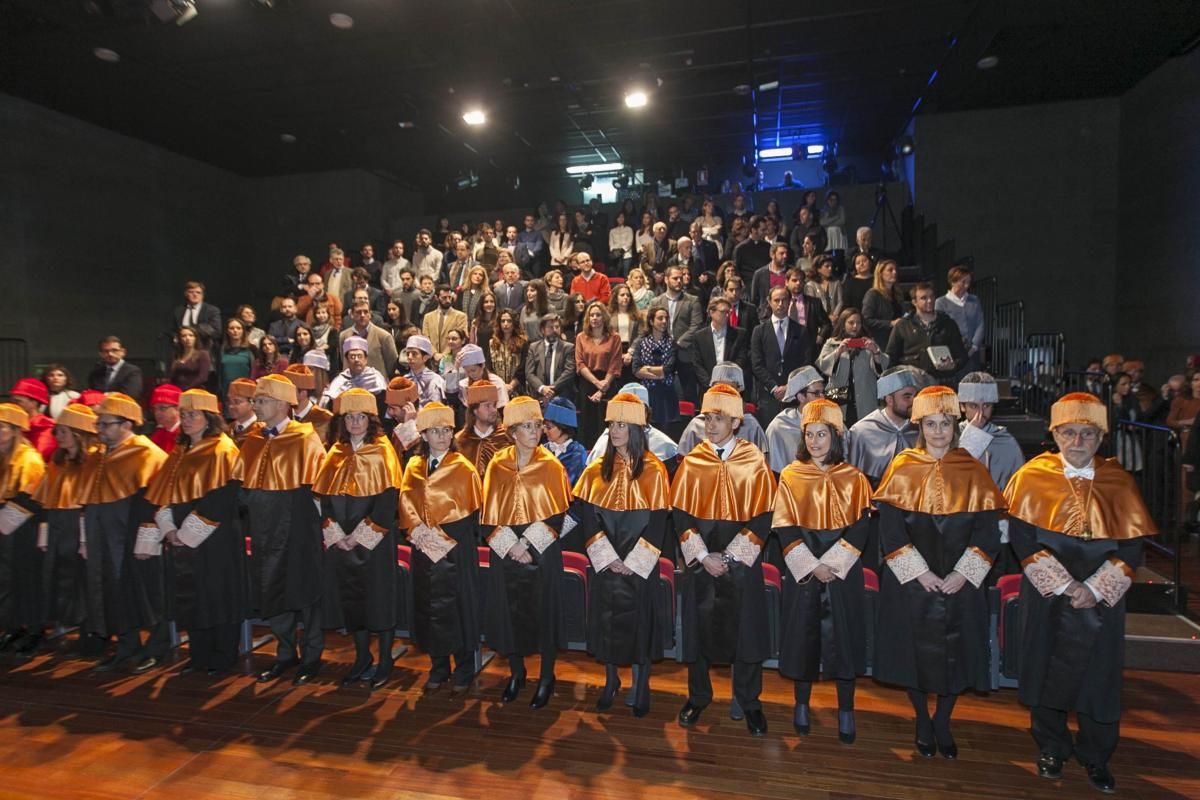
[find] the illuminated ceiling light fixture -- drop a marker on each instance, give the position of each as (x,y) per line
(636,99)
(774,153)
(768,86)
(815,149)
(474,116)
(987,62)
(343,22)
(104,54)
(178,11)
(584,169)
(287,138)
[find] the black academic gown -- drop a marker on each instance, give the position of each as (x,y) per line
(206,585)
(1071,659)
(824,624)
(64,572)
(361,584)
(285,546)
(623,617)
(930,641)
(22,599)
(522,616)
(446,595)
(123,593)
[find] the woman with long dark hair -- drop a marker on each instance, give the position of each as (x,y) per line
(267,361)
(821,518)
(302,343)
(197,513)
(624,499)
(237,354)
(357,484)
(535,307)
(484,320)
(853,363)
(597,368)
(60,386)
(506,351)
(883,305)
(192,364)
(440,497)
(562,241)
(572,321)
(628,323)
(654,365)
(939,527)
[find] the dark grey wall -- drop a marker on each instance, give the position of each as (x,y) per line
(1032,193)
(1159,231)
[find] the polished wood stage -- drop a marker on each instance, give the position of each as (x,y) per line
(68,733)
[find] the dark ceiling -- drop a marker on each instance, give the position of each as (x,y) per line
(551,75)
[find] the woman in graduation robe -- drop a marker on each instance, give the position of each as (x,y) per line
(939,514)
(721,506)
(1077,524)
(822,521)
(21,596)
(623,502)
(196,511)
(358,485)
(525,497)
(440,497)
(64,572)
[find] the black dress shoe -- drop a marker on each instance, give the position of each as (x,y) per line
(605,701)
(276,671)
(1049,766)
(545,690)
(382,674)
(642,709)
(756,722)
(145,665)
(512,689)
(801,719)
(689,714)
(1100,778)
(109,664)
(7,639)
(306,674)
(847,732)
(927,749)
(949,750)
(188,668)
(358,672)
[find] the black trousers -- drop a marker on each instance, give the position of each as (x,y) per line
(215,647)
(284,627)
(464,666)
(747,683)
(1094,744)
(158,643)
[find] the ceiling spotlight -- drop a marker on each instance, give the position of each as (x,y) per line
(474,117)
(815,149)
(636,99)
(177,11)
(586,181)
(987,62)
(605,166)
(768,86)
(287,138)
(343,22)
(905,146)
(774,153)
(104,54)
(406,123)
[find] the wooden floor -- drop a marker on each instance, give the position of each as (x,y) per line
(65,732)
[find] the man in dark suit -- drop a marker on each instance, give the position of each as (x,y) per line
(360,280)
(510,289)
(742,314)
(768,276)
(718,341)
(777,346)
(113,373)
(808,311)
(550,365)
(685,316)
(195,313)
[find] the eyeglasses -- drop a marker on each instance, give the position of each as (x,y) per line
(1086,436)
(102,423)
(814,392)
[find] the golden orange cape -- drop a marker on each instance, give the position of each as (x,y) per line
(374,468)
(481,451)
(239,438)
(954,484)
(820,500)
(319,418)
(280,463)
(738,488)
(23,471)
(648,493)
(61,487)
(190,474)
(518,497)
(452,493)
(1040,494)
(120,473)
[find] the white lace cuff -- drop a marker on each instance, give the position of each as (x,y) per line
(12,516)
(43,535)
(195,529)
(691,544)
(406,433)
(841,557)
(540,536)
(164,519)
(907,563)
(368,534)
(148,542)
(332,533)
(601,552)
(432,541)
(1111,581)
(1045,572)
(974,565)
(643,559)
(800,560)
(745,547)
(568,525)
(974,440)
(82,531)
(502,540)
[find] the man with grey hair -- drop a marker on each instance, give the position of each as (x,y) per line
(874,440)
(730,374)
(785,431)
(862,239)
(990,443)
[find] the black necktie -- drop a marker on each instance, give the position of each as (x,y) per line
(433,465)
(721,453)
(269,432)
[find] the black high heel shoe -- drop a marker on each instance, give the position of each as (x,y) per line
(847,732)
(545,690)
(512,689)
(612,685)
(357,673)
(382,674)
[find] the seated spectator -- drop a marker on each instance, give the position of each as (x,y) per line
(33,397)
(825,288)
(506,352)
(113,373)
(358,374)
(268,360)
(192,364)
(654,365)
(283,330)
(913,336)
(587,282)
(853,363)
(59,383)
(883,305)
(164,404)
(246,314)
(1186,404)
(204,318)
(964,308)
(236,355)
